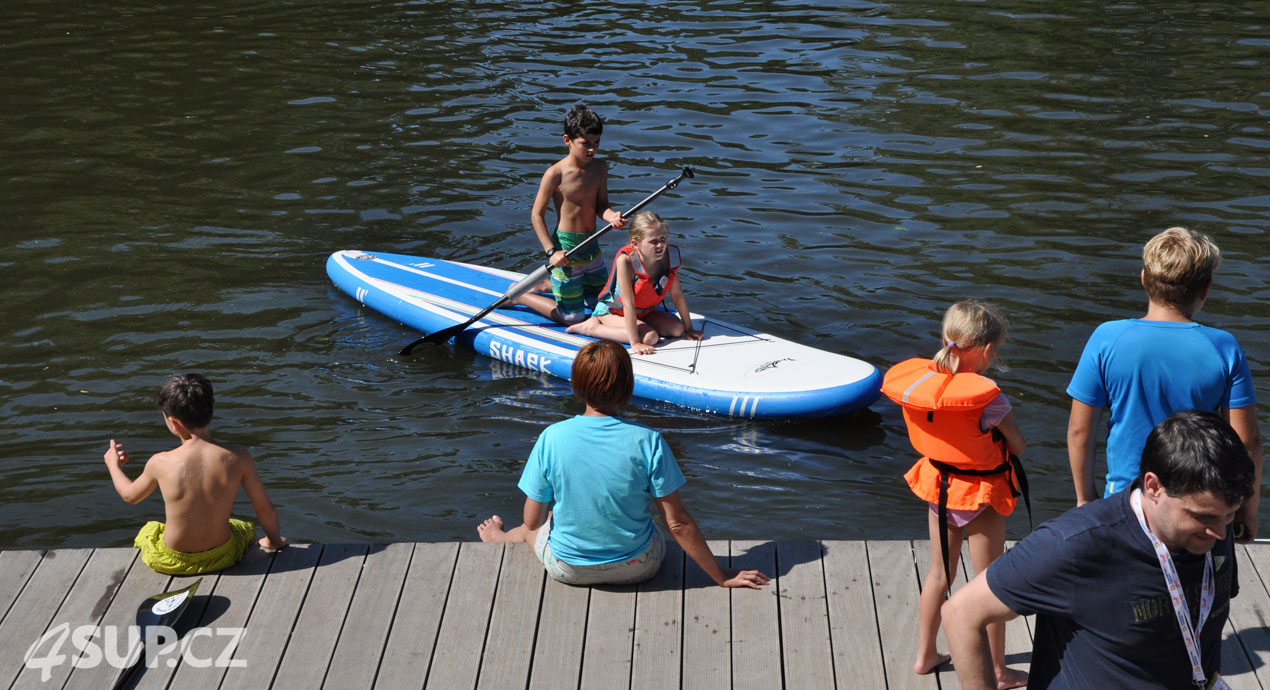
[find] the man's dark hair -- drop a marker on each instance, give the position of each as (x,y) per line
(1193,452)
(188,397)
(582,120)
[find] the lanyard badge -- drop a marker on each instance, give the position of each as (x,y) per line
(1190,634)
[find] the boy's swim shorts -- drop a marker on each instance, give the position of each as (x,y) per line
(162,559)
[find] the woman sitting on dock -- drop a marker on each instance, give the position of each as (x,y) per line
(602,473)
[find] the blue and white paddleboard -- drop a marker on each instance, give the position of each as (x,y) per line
(733,371)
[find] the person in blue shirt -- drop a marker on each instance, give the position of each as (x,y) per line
(1111,581)
(601,474)
(1146,369)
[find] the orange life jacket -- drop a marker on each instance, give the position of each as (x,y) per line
(647,293)
(942,414)
(962,467)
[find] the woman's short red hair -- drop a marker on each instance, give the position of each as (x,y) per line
(602,376)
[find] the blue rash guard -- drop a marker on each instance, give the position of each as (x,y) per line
(1147,370)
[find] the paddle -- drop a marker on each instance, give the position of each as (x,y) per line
(542,272)
(161,609)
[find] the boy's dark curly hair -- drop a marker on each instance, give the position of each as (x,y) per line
(581,120)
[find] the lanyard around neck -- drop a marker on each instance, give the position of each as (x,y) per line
(1190,635)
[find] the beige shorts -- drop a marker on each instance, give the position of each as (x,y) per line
(637,569)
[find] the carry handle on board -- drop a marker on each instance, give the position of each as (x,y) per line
(541,272)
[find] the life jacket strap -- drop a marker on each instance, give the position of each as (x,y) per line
(1016,479)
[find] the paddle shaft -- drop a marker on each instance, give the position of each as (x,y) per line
(529,281)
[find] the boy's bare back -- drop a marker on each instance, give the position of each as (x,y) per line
(199,481)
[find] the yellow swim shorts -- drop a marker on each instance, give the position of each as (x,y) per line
(162,559)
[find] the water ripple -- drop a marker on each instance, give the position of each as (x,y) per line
(176,174)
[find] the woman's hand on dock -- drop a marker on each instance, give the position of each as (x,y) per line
(744,578)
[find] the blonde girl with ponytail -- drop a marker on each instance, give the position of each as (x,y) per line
(969,474)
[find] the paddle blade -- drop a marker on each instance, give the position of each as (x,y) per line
(405,351)
(435,338)
(162,609)
(166,607)
(445,334)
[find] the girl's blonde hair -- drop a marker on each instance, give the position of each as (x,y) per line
(968,323)
(642,222)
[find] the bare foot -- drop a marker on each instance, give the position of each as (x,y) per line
(491,529)
(1011,679)
(925,665)
(582,327)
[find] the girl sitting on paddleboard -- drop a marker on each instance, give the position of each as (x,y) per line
(963,426)
(602,473)
(644,273)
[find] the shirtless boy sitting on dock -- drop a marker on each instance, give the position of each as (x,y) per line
(198,480)
(578,187)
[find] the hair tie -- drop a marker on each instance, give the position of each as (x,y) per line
(951,343)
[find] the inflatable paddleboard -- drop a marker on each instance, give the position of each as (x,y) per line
(733,371)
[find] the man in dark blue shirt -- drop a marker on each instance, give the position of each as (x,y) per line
(1101,578)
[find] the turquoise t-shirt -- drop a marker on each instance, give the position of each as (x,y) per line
(602,473)
(1145,371)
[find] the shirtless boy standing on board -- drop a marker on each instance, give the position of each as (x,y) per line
(578,187)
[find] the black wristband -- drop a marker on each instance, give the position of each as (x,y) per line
(551,252)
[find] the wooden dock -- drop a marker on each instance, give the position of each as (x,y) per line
(838,614)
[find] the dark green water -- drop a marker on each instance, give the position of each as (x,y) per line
(174,177)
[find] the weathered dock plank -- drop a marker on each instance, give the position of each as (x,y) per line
(273,617)
(707,629)
(120,616)
(610,637)
(15,569)
(32,611)
(472,615)
(407,657)
(308,654)
(1235,665)
(895,591)
(355,661)
(804,614)
(557,661)
(456,658)
(509,645)
(84,605)
(229,608)
(1249,614)
(756,635)
(659,624)
(853,629)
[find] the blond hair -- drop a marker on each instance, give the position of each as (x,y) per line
(642,222)
(1177,265)
(968,323)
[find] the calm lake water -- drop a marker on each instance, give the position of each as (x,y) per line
(173,178)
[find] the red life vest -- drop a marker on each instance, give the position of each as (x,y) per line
(647,293)
(942,414)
